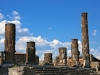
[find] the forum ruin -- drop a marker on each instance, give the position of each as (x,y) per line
(29,64)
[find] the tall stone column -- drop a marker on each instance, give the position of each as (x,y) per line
(85,37)
(30,52)
(10,36)
(62,56)
(48,58)
(85,41)
(75,52)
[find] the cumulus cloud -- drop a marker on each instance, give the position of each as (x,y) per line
(16,15)
(94,32)
(42,45)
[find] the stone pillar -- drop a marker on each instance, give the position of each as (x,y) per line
(37,59)
(85,38)
(30,52)
(62,56)
(48,58)
(10,33)
(75,52)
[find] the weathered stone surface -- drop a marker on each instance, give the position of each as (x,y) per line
(86,63)
(48,58)
(85,38)
(62,56)
(94,64)
(10,33)
(21,71)
(30,52)
(91,58)
(75,51)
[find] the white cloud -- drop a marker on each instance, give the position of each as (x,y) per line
(42,45)
(1,16)
(94,32)
(15,13)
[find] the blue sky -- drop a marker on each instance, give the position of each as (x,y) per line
(53,20)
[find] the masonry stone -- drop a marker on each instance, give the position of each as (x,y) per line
(48,58)
(62,56)
(75,51)
(30,52)
(10,33)
(85,37)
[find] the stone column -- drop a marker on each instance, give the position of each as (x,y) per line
(62,56)
(48,58)
(85,41)
(10,33)
(30,52)
(37,59)
(75,52)
(85,37)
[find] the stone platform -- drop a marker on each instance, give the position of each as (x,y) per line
(49,70)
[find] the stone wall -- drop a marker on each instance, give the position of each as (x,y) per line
(94,64)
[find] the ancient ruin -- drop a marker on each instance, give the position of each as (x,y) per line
(48,58)
(28,63)
(10,37)
(30,52)
(75,52)
(85,38)
(62,56)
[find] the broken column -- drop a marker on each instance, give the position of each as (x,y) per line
(30,52)
(62,56)
(85,39)
(37,59)
(75,52)
(10,36)
(48,58)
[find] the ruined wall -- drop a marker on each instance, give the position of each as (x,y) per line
(85,37)
(75,52)
(19,57)
(62,55)
(94,64)
(30,52)
(10,33)
(48,58)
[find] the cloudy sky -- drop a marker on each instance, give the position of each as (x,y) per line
(50,23)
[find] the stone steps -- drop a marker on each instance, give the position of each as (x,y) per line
(60,71)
